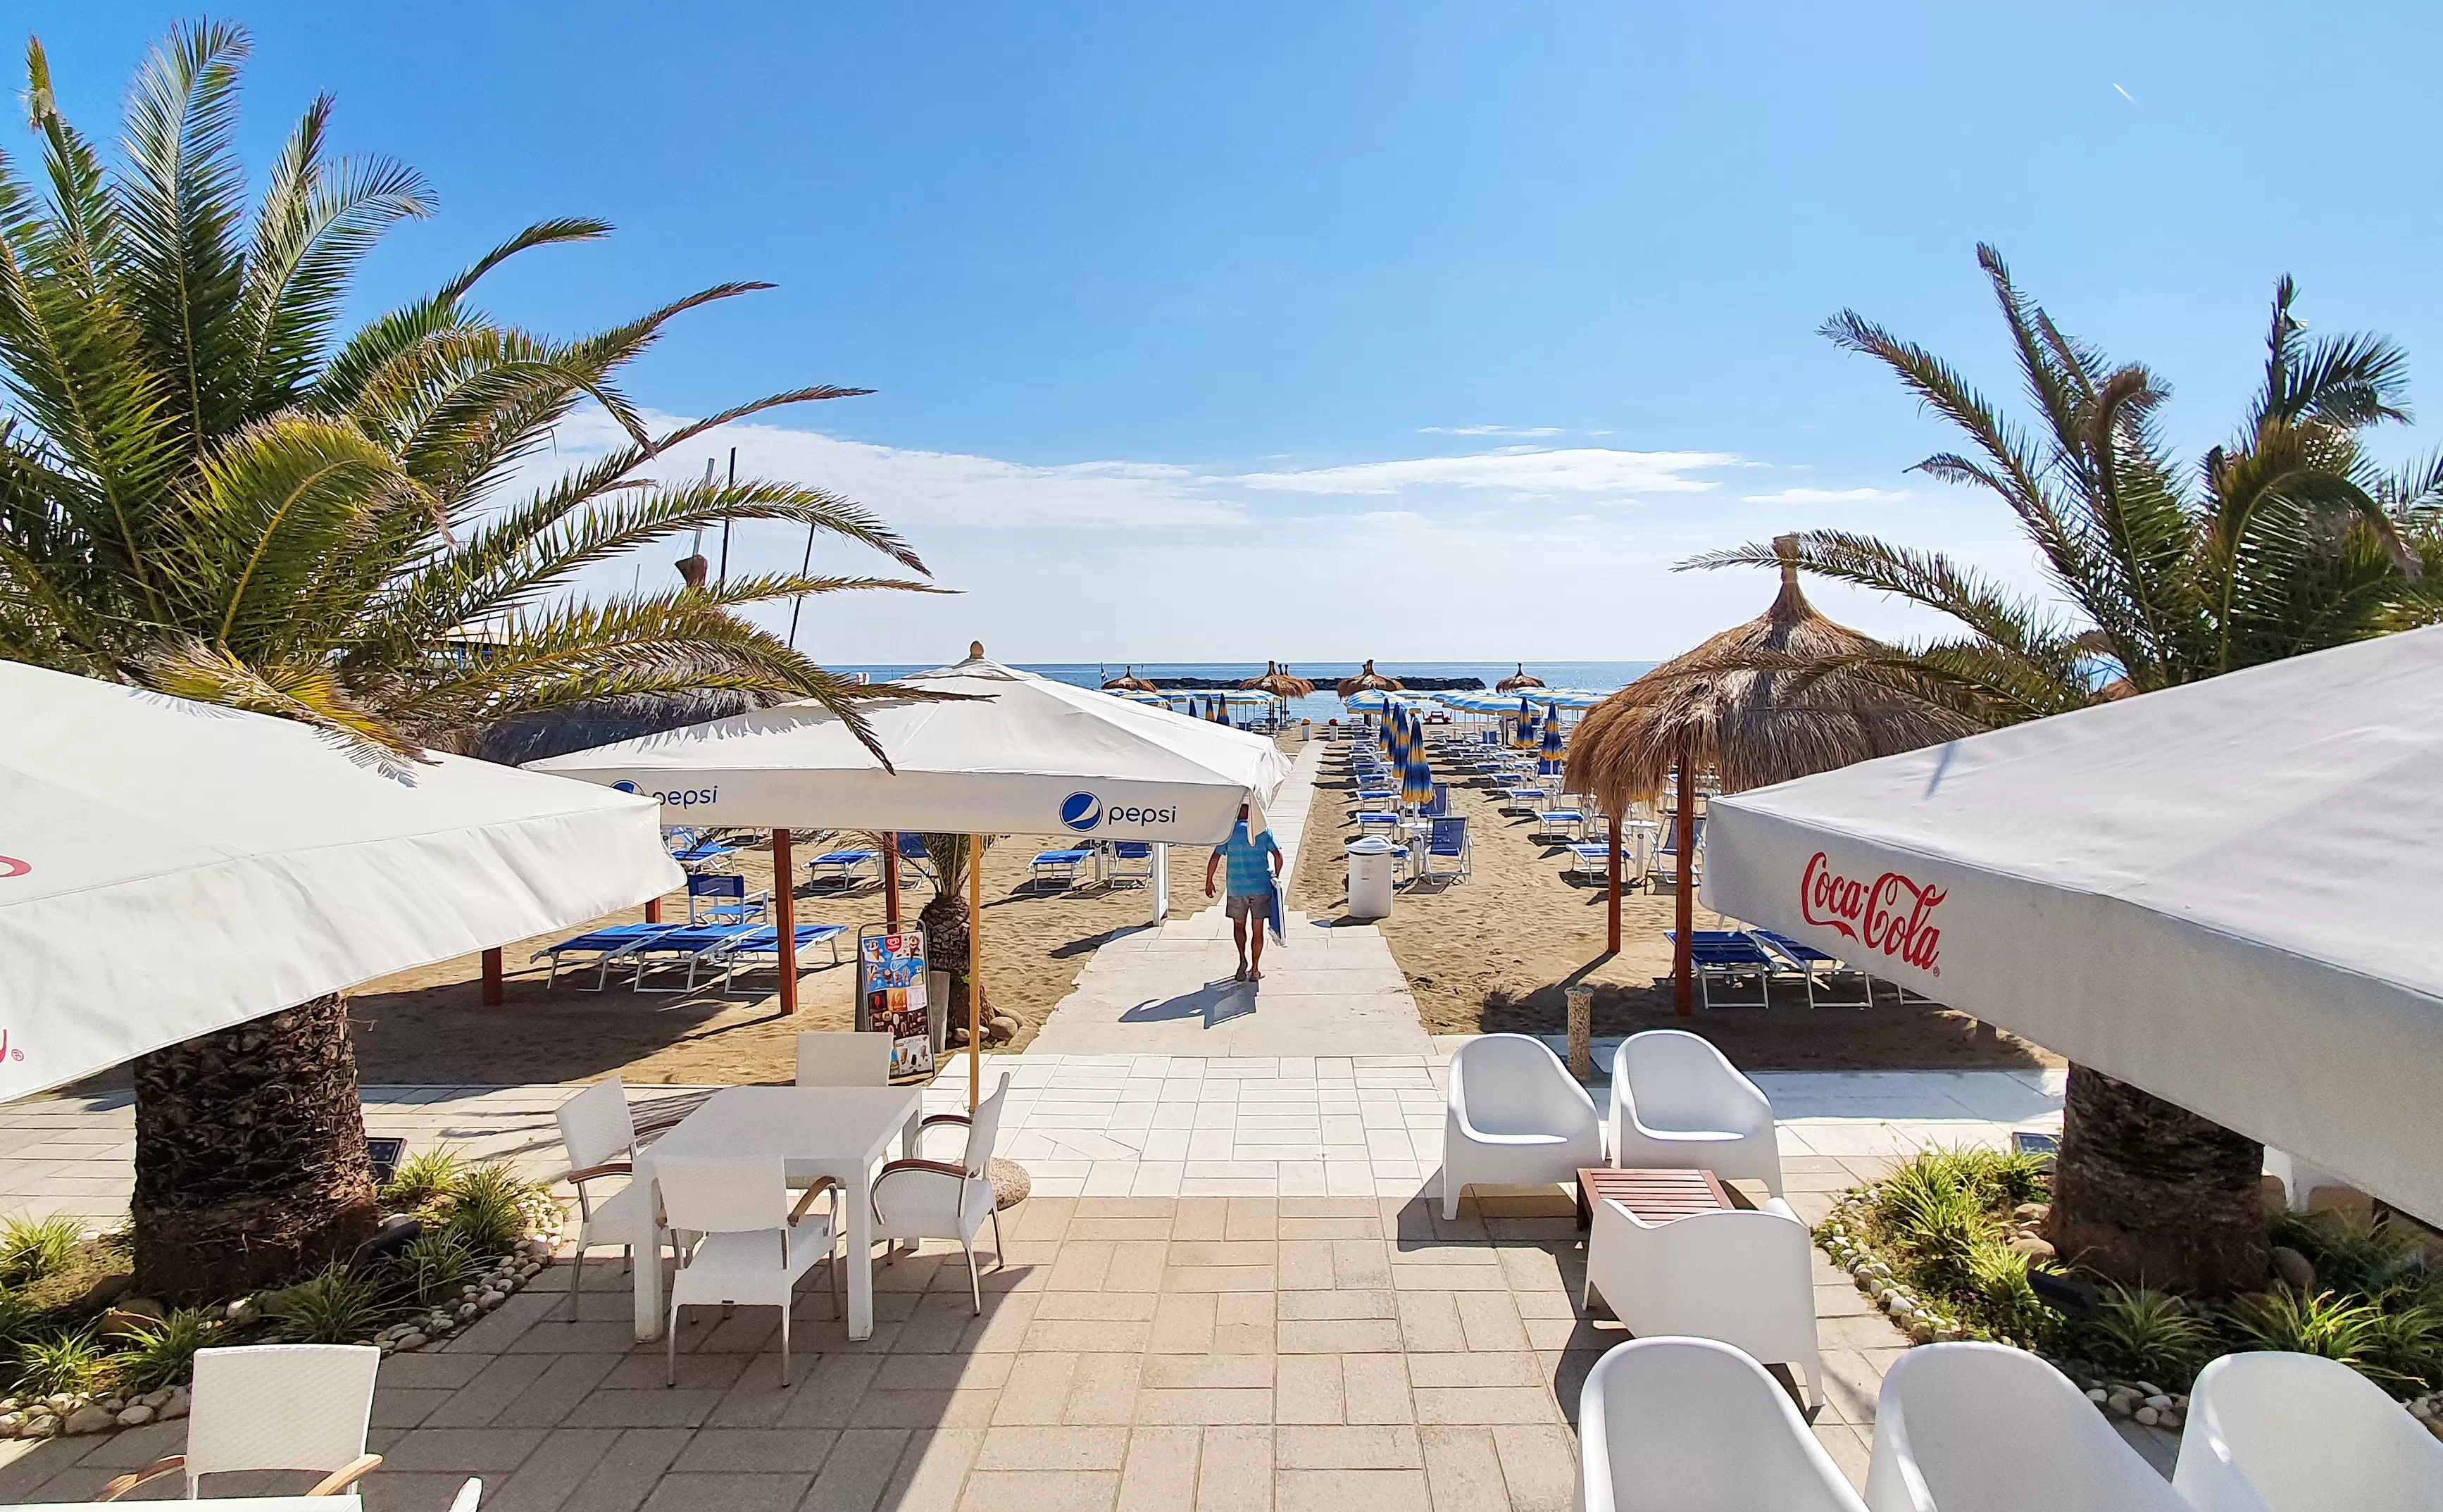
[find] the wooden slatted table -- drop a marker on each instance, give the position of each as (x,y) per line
(1656,1196)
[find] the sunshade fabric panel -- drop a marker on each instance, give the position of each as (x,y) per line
(169,868)
(1018,755)
(2223,893)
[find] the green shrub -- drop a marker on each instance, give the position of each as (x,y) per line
(489,1208)
(164,1352)
(2146,1336)
(61,1362)
(1998,1279)
(333,1307)
(435,1265)
(2326,1324)
(2404,1349)
(32,1248)
(422,1180)
(2352,1253)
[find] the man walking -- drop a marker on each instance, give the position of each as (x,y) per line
(1251,890)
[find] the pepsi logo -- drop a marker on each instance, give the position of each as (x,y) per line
(1081,811)
(625,787)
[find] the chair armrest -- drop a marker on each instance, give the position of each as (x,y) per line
(942,1167)
(347,1475)
(660,1125)
(609,1168)
(932,1118)
(822,1184)
(121,1486)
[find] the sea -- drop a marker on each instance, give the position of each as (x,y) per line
(1592,676)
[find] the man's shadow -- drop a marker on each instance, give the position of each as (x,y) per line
(1215,1003)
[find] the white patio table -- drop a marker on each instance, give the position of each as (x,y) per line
(835,1131)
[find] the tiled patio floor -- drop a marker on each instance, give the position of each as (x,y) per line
(1135,1352)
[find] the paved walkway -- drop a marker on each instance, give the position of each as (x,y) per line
(1327,989)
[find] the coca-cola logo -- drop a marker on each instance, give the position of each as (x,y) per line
(10,866)
(1888,915)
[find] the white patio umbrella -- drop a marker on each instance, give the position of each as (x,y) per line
(2222,892)
(1018,755)
(170,868)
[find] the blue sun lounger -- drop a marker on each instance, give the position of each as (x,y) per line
(1554,821)
(1816,966)
(912,853)
(1725,955)
(691,849)
(692,945)
(605,945)
(1058,866)
(840,866)
(1530,799)
(764,942)
(1131,863)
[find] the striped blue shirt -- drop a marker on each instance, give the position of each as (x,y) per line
(1250,874)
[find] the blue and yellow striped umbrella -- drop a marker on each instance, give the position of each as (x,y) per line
(1522,726)
(1550,764)
(1416,780)
(1221,713)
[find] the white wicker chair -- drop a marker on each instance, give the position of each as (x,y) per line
(275,1407)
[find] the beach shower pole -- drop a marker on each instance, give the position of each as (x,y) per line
(784,894)
(975,971)
(1683,825)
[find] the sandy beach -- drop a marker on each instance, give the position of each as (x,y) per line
(1496,951)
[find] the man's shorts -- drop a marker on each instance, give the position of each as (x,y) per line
(1250,905)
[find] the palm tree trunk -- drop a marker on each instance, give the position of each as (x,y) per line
(250,1164)
(2148,1193)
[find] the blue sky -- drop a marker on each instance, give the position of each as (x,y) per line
(1415,330)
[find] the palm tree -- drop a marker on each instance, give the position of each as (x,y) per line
(209,488)
(945,918)
(2288,540)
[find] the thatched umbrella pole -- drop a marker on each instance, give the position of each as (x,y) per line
(1684,901)
(1611,935)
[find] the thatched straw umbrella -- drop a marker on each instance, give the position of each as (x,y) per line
(1756,706)
(1278,682)
(1129,682)
(1517,680)
(1368,681)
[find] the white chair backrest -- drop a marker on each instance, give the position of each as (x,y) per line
(844,1059)
(1984,1427)
(1725,1272)
(1509,1084)
(596,1126)
(984,1127)
(1689,1425)
(2277,1432)
(741,1197)
(1677,1080)
(280,1407)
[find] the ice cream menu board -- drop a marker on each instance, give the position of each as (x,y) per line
(890,997)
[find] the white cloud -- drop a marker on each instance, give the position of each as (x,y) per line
(1529,470)
(1830,496)
(1489,430)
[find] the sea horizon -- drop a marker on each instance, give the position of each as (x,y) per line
(1592,676)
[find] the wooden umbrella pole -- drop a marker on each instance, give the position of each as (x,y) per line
(891,882)
(784,894)
(1611,935)
(492,977)
(1684,903)
(975,971)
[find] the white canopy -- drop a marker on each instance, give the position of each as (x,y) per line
(2223,893)
(170,868)
(1024,755)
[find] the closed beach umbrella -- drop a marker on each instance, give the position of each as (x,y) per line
(1708,710)
(1416,779)
(1517,680)
(171,868)
(1550,764)
(1522,728)
(1222,713)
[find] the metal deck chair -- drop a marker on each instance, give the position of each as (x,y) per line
(1725,955)
(1815,965)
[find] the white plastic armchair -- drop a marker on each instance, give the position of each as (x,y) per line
(2275,1432)
(947,1199)
(1516,1118)
(1691,1425)
(1743,1278)
(1984,1427)
(751,1247)
(275,1407)
(1679,1104)
(599,1133)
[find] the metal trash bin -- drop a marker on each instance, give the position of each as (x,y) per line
(1374,863)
